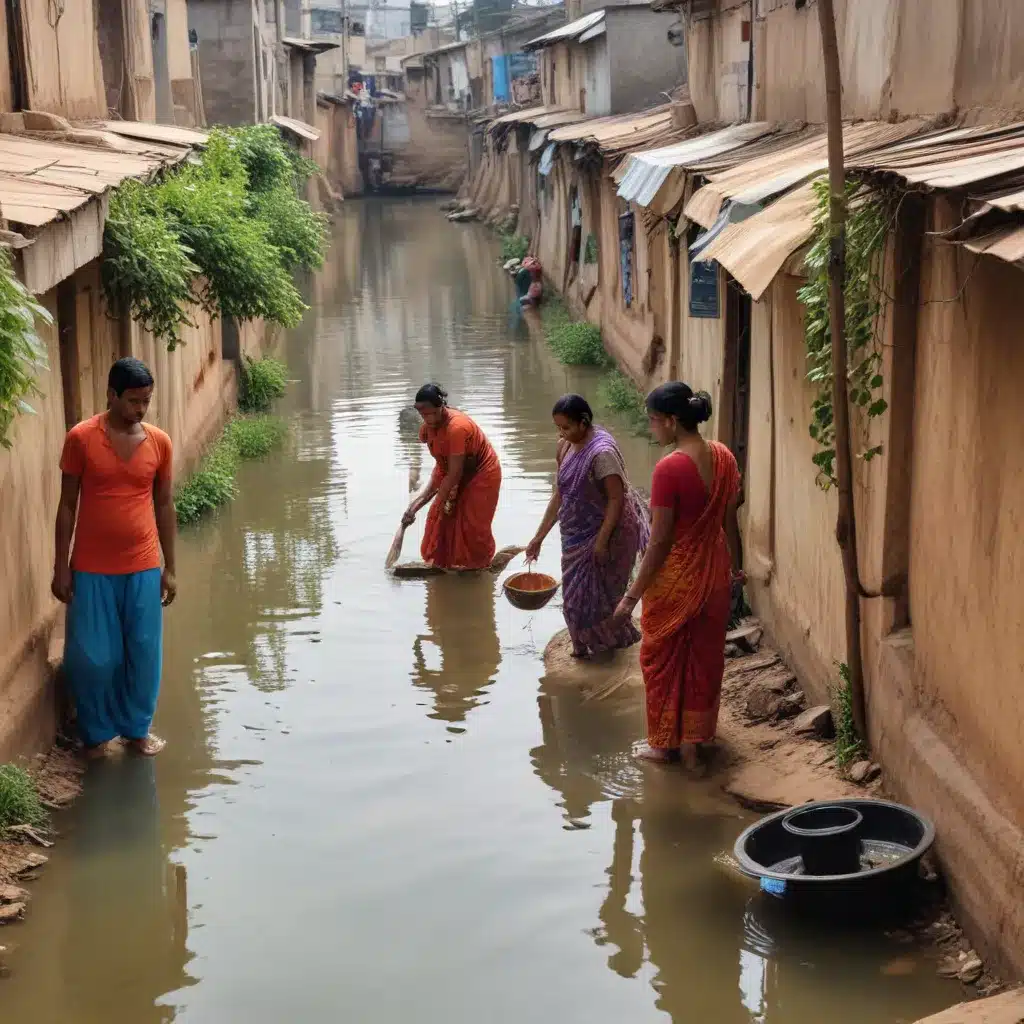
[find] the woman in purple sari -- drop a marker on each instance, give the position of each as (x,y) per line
(604,528)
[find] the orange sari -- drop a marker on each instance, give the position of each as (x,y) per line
(685,618)
(461,537)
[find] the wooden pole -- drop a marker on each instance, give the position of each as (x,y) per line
(846,522)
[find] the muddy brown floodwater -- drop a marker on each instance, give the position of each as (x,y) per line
(373,807)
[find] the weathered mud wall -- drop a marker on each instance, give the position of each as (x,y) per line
(336,151)
(195,392)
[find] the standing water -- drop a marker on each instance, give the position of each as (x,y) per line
(372,806)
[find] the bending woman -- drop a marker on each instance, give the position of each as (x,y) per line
(685,578)
(603,524)
(463,487)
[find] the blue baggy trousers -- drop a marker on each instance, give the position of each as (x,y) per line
(113,653)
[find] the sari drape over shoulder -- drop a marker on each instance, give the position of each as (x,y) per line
(591,591)
(686,615)
(458,532)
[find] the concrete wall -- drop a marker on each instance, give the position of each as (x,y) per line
(226,59)
(337,149)
(644,64)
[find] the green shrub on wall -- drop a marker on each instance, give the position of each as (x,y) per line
(225,232)
(22,353)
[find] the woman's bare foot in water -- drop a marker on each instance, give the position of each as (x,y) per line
(98,752)
(656,755)
(148,746)
(693,763)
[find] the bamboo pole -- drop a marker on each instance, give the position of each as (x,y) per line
(846,522)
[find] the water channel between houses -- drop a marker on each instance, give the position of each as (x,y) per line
(373,807)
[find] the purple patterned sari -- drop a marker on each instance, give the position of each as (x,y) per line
(590,591)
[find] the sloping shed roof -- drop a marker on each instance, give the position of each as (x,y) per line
(300,128)
(310,45)
(589,25)
(756,180)
(983,158)
(163,133)
(41,181)
(621,132)
(756,249)
(530,115)
(642,173)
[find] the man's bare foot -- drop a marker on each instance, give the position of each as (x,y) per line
(148,746)
(656,755)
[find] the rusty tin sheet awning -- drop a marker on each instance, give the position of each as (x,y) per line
(42,181)
(759,179)
(621,132)
(756,249)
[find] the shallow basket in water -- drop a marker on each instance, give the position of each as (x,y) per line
(529,591)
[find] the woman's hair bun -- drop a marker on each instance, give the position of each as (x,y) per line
(700,403)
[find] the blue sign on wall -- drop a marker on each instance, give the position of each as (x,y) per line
(704,290)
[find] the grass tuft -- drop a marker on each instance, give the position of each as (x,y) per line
(263,382)
(213,482)
(19,800)
(848,745)
(622,396)
(514,247)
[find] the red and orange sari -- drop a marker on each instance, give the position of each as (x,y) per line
(458,532)
(685,618)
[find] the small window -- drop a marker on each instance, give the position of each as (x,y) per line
(380,63)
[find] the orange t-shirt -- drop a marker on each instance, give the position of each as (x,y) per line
(116,529)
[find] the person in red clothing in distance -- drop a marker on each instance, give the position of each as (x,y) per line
(117,504)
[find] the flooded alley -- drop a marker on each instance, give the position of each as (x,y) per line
(373,807)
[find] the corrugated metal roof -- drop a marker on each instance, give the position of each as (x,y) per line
(756,249)
(300,128)
(310,45)
(538,117)
(621,132)
(40,181)
(567,33)
(959,158)
(641,174)
(782,168)
(1006,243)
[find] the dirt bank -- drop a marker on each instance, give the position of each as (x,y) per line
(772,751)
(760,758)
(57,776)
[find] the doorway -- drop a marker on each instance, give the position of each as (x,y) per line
(161,70)
(735,420)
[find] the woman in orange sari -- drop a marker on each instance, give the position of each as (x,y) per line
(463,487)
(685,578)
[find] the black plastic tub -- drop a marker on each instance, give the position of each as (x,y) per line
(891,839)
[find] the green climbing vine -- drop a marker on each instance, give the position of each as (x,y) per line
(22,353)
(867,226)
(224,232)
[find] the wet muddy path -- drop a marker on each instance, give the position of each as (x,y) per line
(373,808)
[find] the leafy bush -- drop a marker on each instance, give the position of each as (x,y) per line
(621,395)
(514,247)
(263,381)
(19,800)
(578,343)
(22,353)
(225,232)
(213,482)
(147,272)
(254,437)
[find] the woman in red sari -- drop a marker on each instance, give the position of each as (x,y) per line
(685,578)
(463,487)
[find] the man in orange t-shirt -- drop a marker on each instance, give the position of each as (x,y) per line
(117,502)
